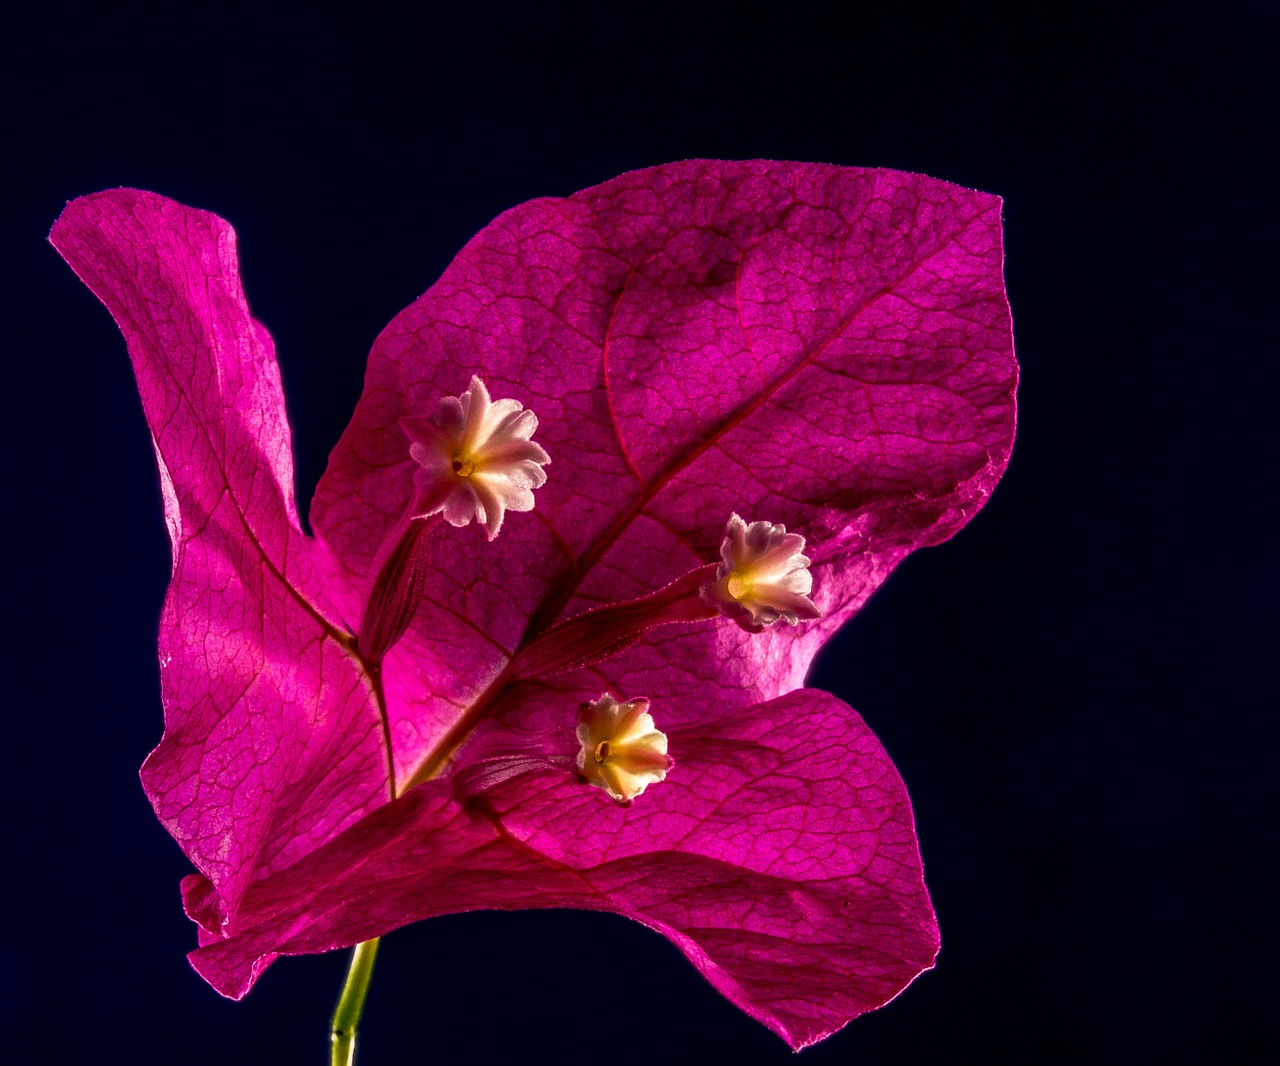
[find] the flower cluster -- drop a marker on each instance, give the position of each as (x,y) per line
(398,717)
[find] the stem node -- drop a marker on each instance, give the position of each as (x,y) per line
(346,1016)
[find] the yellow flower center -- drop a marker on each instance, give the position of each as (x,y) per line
(740,584)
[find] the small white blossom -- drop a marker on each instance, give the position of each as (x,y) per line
(475,459)
(622,752)
(763,576)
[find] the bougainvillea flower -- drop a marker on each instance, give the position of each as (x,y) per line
(763,576)
(380,723)
(475,459)
(622,751)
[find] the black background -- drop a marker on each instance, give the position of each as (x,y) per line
(1079,689)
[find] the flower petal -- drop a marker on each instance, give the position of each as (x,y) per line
(781,860)
(826,346)
(271,743)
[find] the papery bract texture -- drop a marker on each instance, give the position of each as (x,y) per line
(819,347)
(270,732)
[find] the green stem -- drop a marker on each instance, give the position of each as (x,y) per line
(346,1016)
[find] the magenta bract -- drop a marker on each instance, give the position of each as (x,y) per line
(820,347)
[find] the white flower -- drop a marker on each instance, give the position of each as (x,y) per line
(621,751)
(475,459)
(763,576)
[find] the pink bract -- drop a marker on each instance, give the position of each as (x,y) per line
(822,347)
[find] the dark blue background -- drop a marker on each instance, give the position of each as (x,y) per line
(1078,689)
